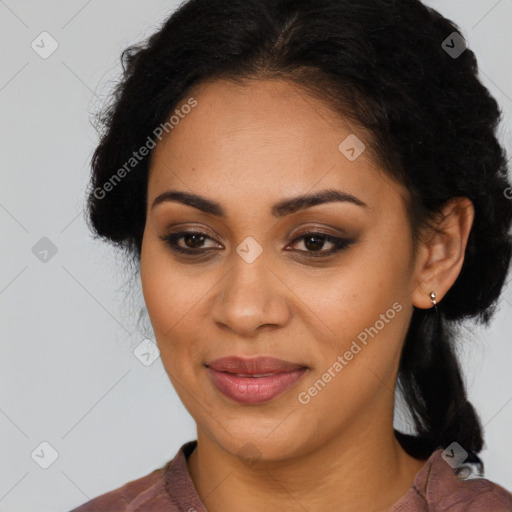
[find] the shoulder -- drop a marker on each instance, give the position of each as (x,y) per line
(156,491)
(439,488)
(148,488)
(477,495)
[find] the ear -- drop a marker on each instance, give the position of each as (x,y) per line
(440,254)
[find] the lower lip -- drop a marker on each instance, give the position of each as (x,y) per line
(254,390)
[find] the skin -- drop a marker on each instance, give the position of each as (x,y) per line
(247,147)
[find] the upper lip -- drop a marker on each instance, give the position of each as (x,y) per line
(254,366)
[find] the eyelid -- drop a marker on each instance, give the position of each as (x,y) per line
(186,227)
(319,230)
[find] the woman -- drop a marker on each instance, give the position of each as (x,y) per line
(315,195)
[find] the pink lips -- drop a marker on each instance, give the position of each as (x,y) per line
(253,381)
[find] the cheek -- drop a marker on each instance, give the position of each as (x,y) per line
(367,309)
(374,277)
(173,300)
(160,282)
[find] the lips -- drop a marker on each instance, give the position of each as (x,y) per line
(256,367)
(254,381)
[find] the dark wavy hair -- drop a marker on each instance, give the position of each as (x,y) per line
(431,125)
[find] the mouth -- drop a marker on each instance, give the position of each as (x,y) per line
(254,381)
(261,366)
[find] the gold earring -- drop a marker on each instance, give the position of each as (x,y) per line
(433,298)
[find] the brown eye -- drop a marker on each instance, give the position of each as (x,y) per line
(193,241)
(314,242)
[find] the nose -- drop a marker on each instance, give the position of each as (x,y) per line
(250,298)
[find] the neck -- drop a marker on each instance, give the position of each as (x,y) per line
(358,469)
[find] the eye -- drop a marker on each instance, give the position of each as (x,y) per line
(192,239)
(193,242)
(314,242)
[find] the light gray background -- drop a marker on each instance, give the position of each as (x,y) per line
(68,373)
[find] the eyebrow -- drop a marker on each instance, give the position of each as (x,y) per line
(279,209)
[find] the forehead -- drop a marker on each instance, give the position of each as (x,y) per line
(261,139)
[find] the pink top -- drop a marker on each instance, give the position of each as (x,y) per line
(436,488)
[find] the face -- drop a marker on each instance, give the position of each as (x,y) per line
(323,285)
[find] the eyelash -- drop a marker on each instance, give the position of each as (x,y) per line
(339,243)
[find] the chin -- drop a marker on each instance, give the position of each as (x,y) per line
(264,444)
